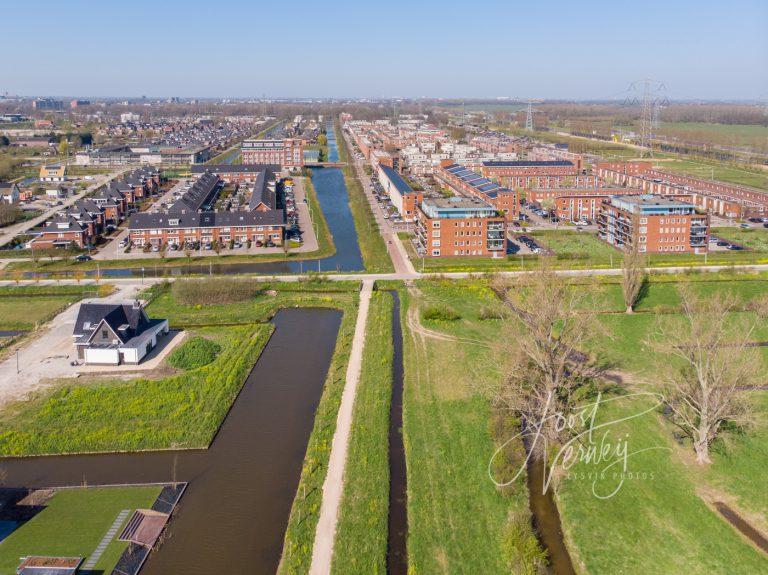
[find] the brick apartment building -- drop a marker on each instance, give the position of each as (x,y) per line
(460,227)
(537,173)
(186,227)
(403,196)
(236,173)
(575,204)
(723,199)
(468,182)
(287,153)
(656,224)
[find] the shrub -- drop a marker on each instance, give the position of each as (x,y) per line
(440,313)
(193,353)
(214,291)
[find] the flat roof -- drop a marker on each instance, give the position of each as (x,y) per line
(456,202)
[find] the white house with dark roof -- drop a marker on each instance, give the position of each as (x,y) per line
(115,333)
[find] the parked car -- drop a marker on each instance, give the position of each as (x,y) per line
(83,258)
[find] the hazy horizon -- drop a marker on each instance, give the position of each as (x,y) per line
(558,51)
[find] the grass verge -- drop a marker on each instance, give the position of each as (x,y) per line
(361,533)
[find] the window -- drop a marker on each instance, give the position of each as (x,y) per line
(435,252)
(435,224)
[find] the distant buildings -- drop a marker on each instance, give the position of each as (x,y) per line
(79,103)
(460,227)
(287,153)
(47,104)
(654,224)
(727,200)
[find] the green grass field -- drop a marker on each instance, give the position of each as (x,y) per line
(361,534)
(73,523)
(19,313)
(459,522)
(25,307)
(716,170)
(754,239)
(659,514)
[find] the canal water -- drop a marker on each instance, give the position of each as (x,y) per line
(234,513)
(397,537)
(332,194)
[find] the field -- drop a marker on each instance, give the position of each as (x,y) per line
(26,307)
(715,170)
(459,522)
(72,525)
(15,315)
(456,526)
(739,135)
(752,239)
(361,534)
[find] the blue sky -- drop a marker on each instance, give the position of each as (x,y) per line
(342,48)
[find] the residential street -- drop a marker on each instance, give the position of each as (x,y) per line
(8,233)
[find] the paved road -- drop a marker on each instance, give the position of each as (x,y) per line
(395,247)
(333,488)
(7,234)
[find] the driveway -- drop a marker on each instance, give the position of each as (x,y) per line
(48,356)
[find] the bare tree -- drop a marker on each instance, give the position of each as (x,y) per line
(718,364)
(632,276)
(550,325)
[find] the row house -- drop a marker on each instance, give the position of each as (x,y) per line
(185,227)
(537,174)
(236,173)
(403,196)
(61,232)
(723,199)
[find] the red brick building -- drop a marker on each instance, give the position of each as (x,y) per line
(537,174)
(656,224)
(470,183)
(723,199)
(287,153)
(449,227)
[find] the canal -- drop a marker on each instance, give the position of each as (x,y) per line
(234,513)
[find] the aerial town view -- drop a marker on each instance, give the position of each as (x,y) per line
(424,288)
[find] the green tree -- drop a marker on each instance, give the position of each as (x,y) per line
(322,140)
(63,147)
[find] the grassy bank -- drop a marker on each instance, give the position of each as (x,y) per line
(27,307)
(361,533)
(178,411)
(372,246)
(459,522)
(72,524)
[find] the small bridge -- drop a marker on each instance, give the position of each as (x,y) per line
(325,164)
